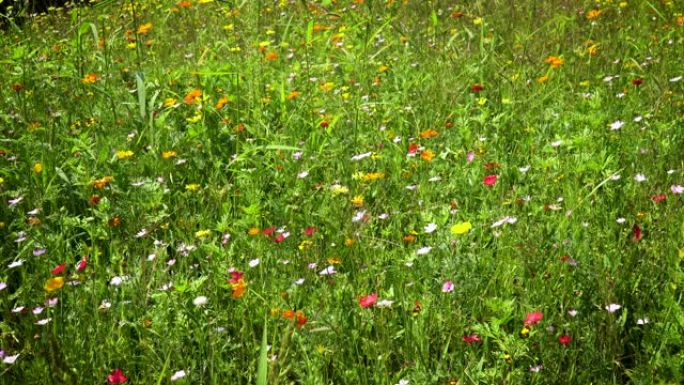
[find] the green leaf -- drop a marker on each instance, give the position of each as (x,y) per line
(262,369)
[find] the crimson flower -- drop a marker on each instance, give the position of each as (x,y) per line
(489,180)
(659,198)
(309,231)
(116,377)
(477,87)
(470,338)
(637,81)
(59,269)
(235,276)
(368,300)
(565,340)
(267,232)
(533,318)
(413,148)
(636,231)
(81,265)
(279,238)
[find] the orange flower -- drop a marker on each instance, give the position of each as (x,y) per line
(429,134)
(102,182)
(289,314)
(409,238)
(554,61)
(89,79)
(293,95)
(271,56)
(594,13)
(184,4)
(254,231)
(191,96)
(144,29)
(221,102)
(238,288)
(680,20)
(427,155)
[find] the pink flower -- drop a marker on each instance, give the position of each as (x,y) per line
(447,287)
(470,157)
(533,318)
(677,189)
(368,300)
(489,180)
(116,377)
(309,231)
(470,338)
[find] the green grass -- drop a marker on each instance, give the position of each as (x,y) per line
(330,150)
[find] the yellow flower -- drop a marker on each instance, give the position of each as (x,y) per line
(54,284)
(202,233)
(221,102)
(192,187)
(461,228)
(304,245)
(144,29)
(338,189)
(38,168)
(585,83)
(102,182)
(357,201)
(124,154)
(542,79)
(334,261)
(349,242)
(592,50)
(477,21)
(254,231)
(168,154)
(2,180)
(169,102)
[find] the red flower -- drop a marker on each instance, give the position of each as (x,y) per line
(565,340)
(659,198)
(491,165)
(235,276)
(477,87)
(368,300)
(309,231)
(489,180)
(413,148)
(637,81)
(59,269)
(469,339)
(279,238)
(636,231)
(95,199)
(533,318)
(81,265)
(267,232)
(116,377)
(324,124)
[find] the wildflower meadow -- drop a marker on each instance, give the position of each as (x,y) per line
(384,192)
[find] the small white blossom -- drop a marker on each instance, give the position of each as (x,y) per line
(200,301)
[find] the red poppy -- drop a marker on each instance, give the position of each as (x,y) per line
(368,300)
(477,87)
(659,198)
(636,232)
(235,276)
(59,269)
(470,338)
(413,148)
(267,232)
(533,318)
(279,238)
(81,265)
(489,180)
(565,340)
(309,231)
(116,377)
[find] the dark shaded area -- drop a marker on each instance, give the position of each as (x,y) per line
(20,10)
